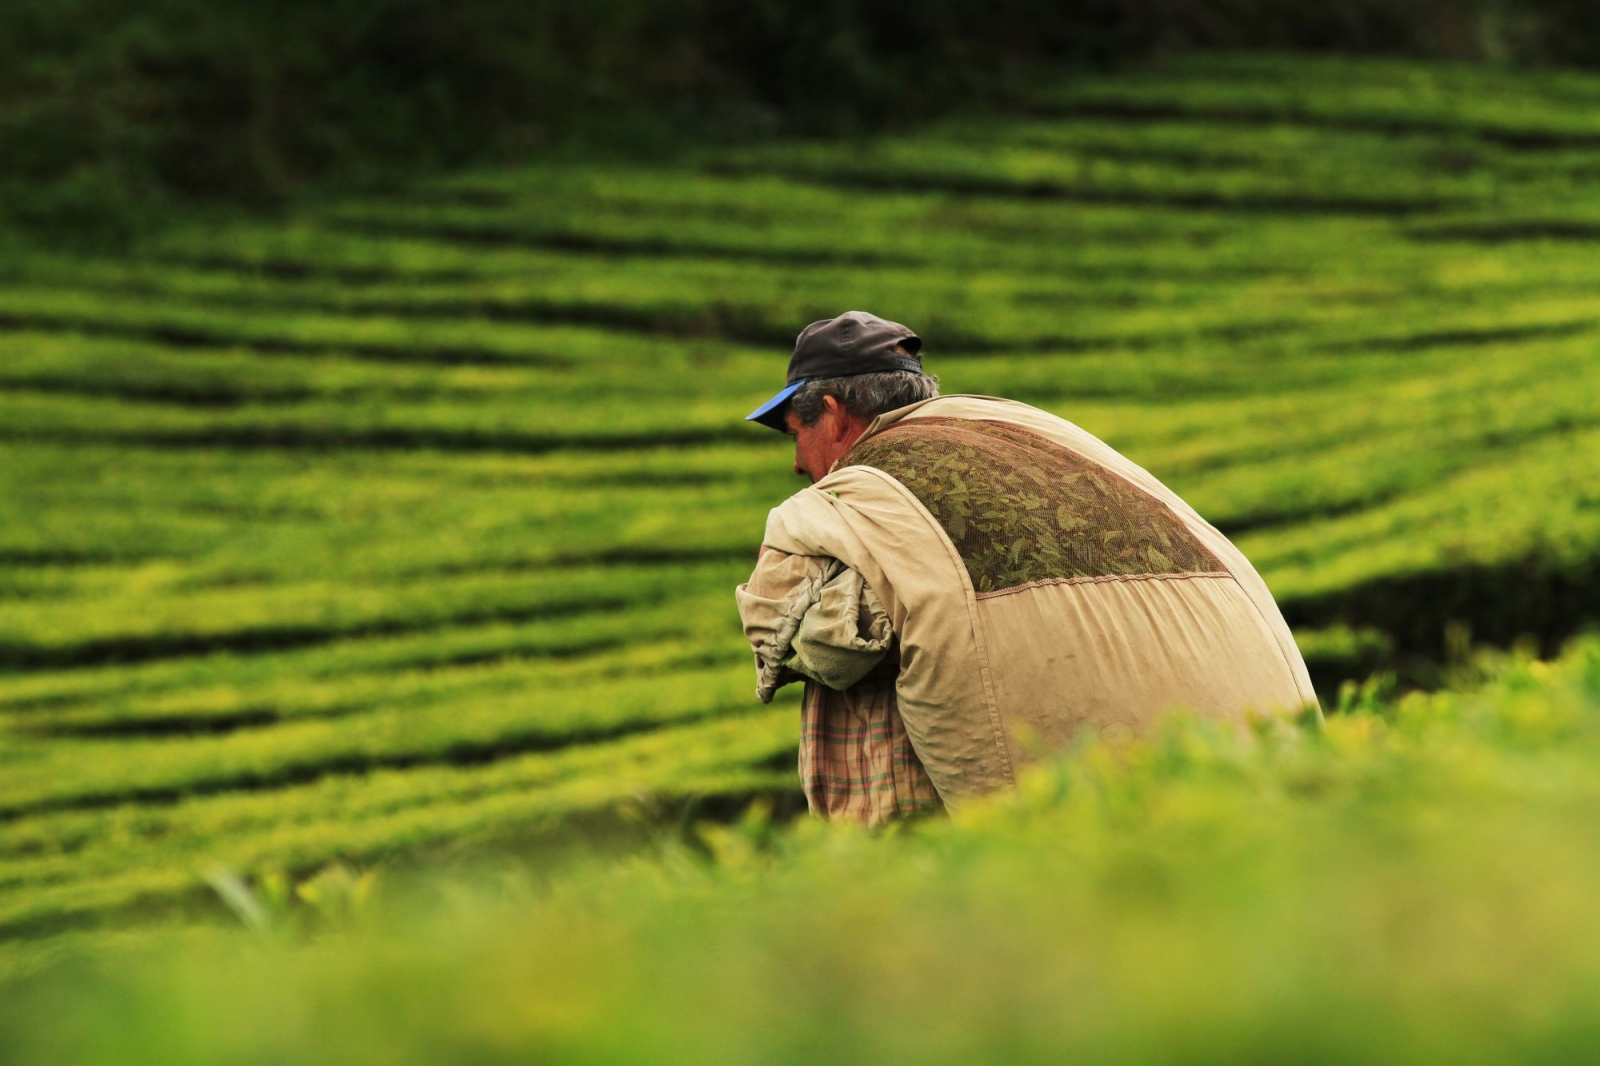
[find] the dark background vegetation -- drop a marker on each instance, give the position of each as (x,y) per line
(112,112)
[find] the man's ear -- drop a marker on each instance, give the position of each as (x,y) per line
(841,417)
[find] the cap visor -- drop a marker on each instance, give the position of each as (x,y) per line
(771,414)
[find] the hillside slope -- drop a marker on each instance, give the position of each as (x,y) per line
(407,521)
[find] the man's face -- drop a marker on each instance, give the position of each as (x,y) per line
(813,446)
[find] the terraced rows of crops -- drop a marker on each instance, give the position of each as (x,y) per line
(415,519)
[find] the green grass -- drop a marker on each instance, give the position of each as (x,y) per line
(392,499)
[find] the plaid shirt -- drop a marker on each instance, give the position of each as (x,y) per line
(856,762)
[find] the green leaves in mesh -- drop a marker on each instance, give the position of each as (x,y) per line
(1020,508)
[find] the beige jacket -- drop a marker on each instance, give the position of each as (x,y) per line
(1038,582)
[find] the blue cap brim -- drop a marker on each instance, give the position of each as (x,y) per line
(771,414)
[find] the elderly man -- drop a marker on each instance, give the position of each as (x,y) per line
(970,581)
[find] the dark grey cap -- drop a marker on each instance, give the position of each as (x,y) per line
(854,343)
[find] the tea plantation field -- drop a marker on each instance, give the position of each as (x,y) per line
(412,521)
(1413,884)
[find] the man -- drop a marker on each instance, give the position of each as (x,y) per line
(970,582)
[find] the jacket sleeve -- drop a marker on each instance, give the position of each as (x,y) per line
(809,616)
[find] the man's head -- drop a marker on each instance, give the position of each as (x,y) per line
(845,372)
(827,417)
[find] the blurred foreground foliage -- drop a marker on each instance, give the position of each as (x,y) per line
(1415,883)
(110,112)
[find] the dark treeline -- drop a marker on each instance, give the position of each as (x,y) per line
(110,110)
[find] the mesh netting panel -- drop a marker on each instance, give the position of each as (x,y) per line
(1020,508)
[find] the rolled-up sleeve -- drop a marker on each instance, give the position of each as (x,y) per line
(811,616)
(771,605)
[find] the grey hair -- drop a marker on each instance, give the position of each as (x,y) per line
(864,395)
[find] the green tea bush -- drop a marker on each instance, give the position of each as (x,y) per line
(102,865)
(1412,884)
